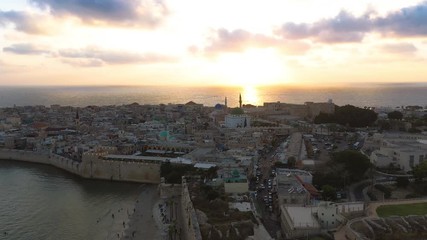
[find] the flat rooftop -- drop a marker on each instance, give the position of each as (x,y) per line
(302,217)
(135,158)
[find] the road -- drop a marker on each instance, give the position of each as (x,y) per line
(269,218)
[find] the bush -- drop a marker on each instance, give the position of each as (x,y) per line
(402,182)
(384,189)
(372,196)
(413,195)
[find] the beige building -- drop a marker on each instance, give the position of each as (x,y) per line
(308,109)
(235,181)
(401,150)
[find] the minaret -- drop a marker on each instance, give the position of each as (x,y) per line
(77,119)
(240,100)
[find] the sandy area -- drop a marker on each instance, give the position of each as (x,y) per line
(141,224)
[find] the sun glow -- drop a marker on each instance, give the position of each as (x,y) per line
(255,67)
(250,96)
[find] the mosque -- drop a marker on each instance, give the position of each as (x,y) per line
(233,117)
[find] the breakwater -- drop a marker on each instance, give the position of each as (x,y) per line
(92,166)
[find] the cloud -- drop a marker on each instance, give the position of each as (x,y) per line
(399,48)
(83,62)
(148,13)
(97,57)
(345,27)
(23,21)
(25,49)
(410,21)
(239,40)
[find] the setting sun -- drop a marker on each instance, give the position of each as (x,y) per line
(251,96)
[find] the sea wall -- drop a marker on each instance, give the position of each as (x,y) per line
(91,166)
(43,158)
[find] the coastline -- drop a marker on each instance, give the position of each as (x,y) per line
(140,224)
(123,219)
(93,168)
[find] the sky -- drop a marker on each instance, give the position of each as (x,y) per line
(310,43)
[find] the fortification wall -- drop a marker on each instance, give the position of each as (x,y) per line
(92,166)
(96,167)
(190,224)
(170,190)
(125,171)
(43,158)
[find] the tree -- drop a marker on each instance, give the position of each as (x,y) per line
(384,125)
(355,163)
(173,172)
(344,168)
(420,171)
(402,182)
(354,116)
(348,115)
(329,193)
(292,162)
(395,115)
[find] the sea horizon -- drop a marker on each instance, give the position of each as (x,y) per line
(379,95)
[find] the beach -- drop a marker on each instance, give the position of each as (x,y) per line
(140,222)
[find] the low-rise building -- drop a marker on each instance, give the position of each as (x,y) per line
(400,150)
(290,191)
(235,181)
(304,221)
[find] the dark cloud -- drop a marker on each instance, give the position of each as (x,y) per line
(239,40)
(25,49)
(122,12)
(405,48)
(96,56)
(346,27)
(410,21)
(23,21)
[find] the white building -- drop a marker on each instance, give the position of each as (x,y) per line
(400,150)
(303,221)
(298,221)
(237,121)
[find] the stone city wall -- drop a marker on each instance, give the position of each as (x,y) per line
(92,166)
(190,223)
(169,190)
(43,158)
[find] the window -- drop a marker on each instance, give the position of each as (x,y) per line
(411,161)
(421,158)
(333,215)
(323,214)
(332,223)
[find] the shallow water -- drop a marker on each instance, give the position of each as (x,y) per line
(42,202)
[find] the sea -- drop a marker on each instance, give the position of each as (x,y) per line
(379,95)
(43,202)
